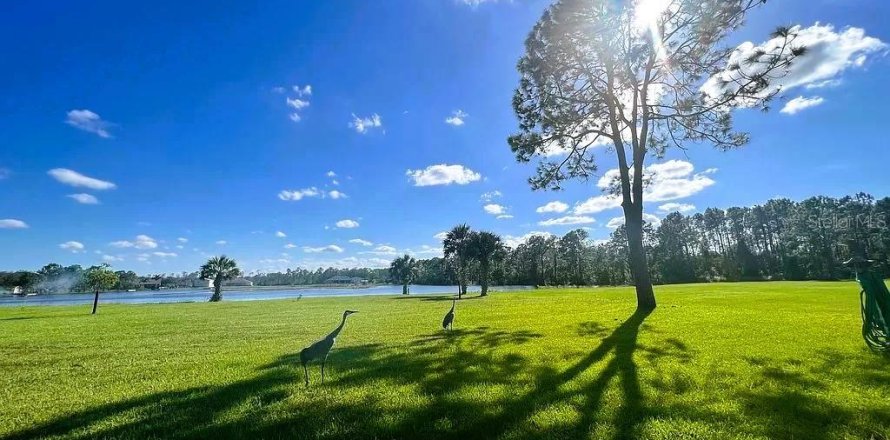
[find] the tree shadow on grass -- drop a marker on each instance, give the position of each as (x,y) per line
(442,297)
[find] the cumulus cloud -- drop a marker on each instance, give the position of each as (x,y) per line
(457,118)
(11,223)
(299,194)
(297,104)
(88,121)
(554,206)
(670,180)
(676,207)
(494,209)
(443,174)
(361,242)
(280,234)
(140,242)
(85,199)
(385,249)
(648,218)
(567,220)
(800,103)
(597,204)
(334,194)
(489,196)
(829,54)
(514,241)
(347,224)
(72,246)
(441,236)
(362,125)
(111,258)
(332,248)
(73,178)
(331,174)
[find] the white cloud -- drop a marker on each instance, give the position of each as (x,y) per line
(11,223)
(86,199)
(73,178)
(457,118)
(554,206)
(290,246)
(494,209)
(828,55)
(89,122)
(334,194)
(504,217)
(347,224)
(648,218)
(474,3)
(280,234)
(800,103)
(298,104)
(329,248)
(441,236)
(670,180)
(141,242)
(385,249)
(676,207)
(164,254)
(361,242)
(222,242)
(362,125)
(489,196)
(182,240)
(302,91)
(514,242)
(331,174)
(443,174)
(597,204)
(568,220)
(299,194)
(111,258)
(73,246)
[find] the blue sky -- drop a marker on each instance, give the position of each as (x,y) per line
(182,113)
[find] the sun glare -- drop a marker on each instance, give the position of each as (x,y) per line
(647,14)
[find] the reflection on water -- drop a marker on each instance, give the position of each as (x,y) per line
(177,296)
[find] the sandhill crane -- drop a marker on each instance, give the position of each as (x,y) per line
(322,348)
(448,322)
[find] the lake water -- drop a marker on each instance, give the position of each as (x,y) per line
(179,296)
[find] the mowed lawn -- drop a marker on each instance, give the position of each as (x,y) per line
(727,361)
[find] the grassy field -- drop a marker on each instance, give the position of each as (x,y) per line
(727,361)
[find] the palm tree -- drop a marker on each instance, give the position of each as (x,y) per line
(403,269)
(456,247)
(483,246)
(219,269)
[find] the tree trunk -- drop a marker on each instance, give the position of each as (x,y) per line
(639,267)
(405,289)
(217,290)
(95,302)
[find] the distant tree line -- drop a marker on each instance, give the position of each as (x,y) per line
(779,240)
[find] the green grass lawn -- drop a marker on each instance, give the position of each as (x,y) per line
(727,361)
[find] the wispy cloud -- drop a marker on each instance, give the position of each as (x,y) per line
(331,248)
(72,246)
(88,121)
(362,125)
(361,242)
(11,223)
(568,220)
(457,118)
(85,199)
(800,103)
(140,242)
(73,178)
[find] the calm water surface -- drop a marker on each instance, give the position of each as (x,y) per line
(178,296)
